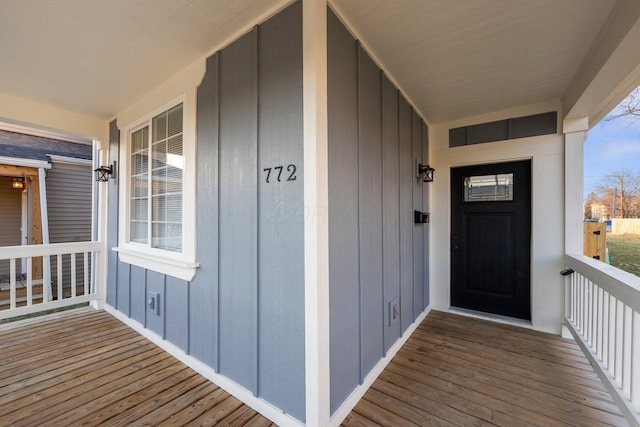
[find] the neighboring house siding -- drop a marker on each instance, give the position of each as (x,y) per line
(10,220)
(69,212)
(243,313)
(376,253)
(69,202)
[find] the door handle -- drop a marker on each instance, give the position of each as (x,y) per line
(454,244)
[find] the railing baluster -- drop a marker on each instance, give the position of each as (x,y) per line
(59,265)
(29,281)
(589,308)
(605,328)
(635,355)
(599,324)
(572,294)
(12,283)
(626,356)
(617,376)
(73,275)
(45,283)
(613,304)
(594,312)
(86,273)
(581,305)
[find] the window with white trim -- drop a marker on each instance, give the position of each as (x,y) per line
(156,177)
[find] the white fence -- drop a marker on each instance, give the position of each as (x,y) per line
(603,314)
(26,295)
(625,226)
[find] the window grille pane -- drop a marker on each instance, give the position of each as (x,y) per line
(174,208)
(174,237)
(139,232)
(174,125)
(174,146)
(159,155)
(488,188)
(166,188)
(139,211)
(139,186)
(159,239)
(159,208)
(159,184)
(174,180)
(160,127)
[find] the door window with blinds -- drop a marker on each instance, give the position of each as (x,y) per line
(156,177)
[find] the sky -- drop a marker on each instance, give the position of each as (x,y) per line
(610,146)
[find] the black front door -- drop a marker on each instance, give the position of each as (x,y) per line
(491,238)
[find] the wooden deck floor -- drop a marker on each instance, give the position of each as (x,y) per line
(90,369)
(461,371)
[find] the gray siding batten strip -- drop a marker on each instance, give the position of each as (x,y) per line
(343,211)
(370,211)
(390,205)
(238,219)
(426,227)
(418,235)
(203,298)
(112,219)
(406,214)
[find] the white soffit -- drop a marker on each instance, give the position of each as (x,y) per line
(99,56)
(457,59)
(452,58)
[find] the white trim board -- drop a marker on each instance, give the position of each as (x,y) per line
(245,396)
(70,160)
(43,132)
(27,163)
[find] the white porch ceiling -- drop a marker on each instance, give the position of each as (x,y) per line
(453,59)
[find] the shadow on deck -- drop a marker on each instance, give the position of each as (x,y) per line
(88,368)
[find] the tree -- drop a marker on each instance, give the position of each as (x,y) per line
(629,107)
(624,184)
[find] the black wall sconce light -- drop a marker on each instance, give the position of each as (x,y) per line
(424,172)
(104,172)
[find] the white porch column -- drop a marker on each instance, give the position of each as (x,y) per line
(316,222)
(99,228)
(44,218)
(575,134)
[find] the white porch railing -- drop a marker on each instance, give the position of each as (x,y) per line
(603,314)
(82,262)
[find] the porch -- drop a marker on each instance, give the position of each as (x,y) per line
(86,367)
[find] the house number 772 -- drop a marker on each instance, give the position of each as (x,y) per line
(275,173)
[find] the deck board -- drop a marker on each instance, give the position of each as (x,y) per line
(466,371)
(88,368)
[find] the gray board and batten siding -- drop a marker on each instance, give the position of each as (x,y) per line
(377,255)
(243,313)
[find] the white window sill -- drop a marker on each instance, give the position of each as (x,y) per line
(174,267)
